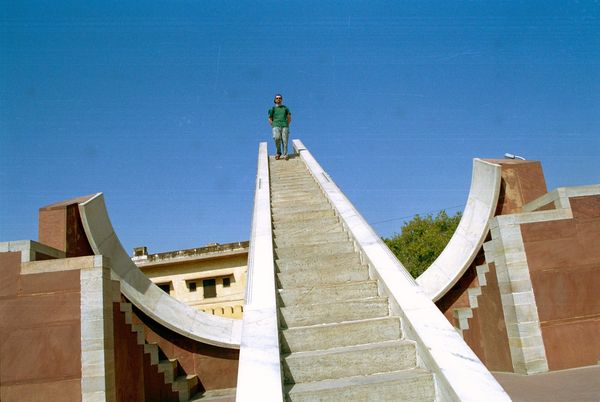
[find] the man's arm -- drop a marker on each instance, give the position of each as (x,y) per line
(289,118)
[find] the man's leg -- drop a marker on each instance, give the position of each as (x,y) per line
(277,138)
(284,138)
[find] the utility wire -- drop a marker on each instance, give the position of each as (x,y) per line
(412,216)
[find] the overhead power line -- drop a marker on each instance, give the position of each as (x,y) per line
(413,215)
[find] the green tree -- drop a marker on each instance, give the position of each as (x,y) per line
(422,239)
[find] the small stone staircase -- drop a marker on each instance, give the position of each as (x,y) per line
(463,314)
(183,384)
(338,339)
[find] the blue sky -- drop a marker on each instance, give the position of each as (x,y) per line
(162,105)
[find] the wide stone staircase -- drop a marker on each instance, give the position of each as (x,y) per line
(338,339)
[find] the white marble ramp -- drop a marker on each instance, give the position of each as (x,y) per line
(145,295)
(468,238)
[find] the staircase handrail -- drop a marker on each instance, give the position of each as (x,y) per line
(470,234)
(259,372)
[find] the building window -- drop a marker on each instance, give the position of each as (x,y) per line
(210,288)
(192,286)
(165,287)
(226,282)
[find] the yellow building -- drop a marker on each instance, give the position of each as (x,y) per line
(210,278)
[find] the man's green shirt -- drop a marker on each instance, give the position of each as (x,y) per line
(279,115)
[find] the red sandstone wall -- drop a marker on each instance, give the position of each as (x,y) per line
(39,334)
(59,226)
(487,335)
(522,182)
(487,331)
(215,367)
(136,379)
(564,262)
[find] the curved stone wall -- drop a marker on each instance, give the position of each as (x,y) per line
(145,295)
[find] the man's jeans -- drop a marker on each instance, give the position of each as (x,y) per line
(280,135)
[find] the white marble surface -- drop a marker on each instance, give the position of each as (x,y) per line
(61,264)
(507,252)
(259,373)
(460,375)
(166,310)
(466,242)
(560,197)
(29,248)
(97,344)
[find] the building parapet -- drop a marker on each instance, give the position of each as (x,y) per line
(213,250)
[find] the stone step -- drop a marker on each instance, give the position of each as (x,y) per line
(299,193)
(289,165)
(303,251)
(297,198)
(169,369)
(283,164)
(306,180)
(295,186)
(216,395)
(290,168)
(320,276)
(295,207)
(279,180)
(300,214)
(292,160)
(349,361)
(279,191)
(327,292)
(321,337)
(333,261)
(185,386)
(304,200)
(290,172)
(410,385)
(329,313)
(296,177)
(152,349)
(304,224)
(302,230)
(311,238)
(298,204)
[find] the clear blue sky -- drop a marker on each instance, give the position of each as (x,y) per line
(162,105)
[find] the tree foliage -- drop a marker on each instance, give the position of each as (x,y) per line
(422,239)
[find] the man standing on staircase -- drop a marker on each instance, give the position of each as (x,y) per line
(280,118)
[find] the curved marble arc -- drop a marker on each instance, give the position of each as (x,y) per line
(145,295)
(470,234)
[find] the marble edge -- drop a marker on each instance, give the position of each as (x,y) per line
(259,369)
(462,248)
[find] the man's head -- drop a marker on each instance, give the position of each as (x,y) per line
(278,99)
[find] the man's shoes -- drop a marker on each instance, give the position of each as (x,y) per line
(277,156)
(285,157)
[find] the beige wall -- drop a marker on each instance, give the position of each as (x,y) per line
(182,273)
